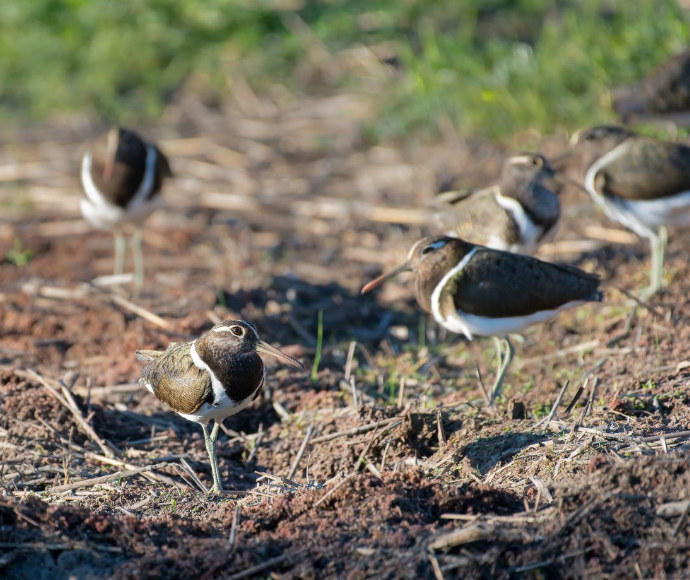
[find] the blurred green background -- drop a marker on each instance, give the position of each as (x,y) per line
(483,67)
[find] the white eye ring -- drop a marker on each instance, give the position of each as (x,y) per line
(237,330)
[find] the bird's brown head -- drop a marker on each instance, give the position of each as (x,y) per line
(527,167)
(430,259)
(237,337)
(593,142)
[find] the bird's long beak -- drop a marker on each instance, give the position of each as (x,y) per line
(272,350)
(404,267)
(112,144)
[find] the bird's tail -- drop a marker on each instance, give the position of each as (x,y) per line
(147,355)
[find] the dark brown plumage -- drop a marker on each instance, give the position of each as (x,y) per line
(122,176)
(475,290)
(642,183)
(210,378)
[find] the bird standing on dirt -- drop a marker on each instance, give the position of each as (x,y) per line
(210,378)
(640,182)
(474,290)
(122,176)
(515,215)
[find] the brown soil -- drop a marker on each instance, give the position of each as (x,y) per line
(275,220)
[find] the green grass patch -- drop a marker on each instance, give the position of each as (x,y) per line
(484,67)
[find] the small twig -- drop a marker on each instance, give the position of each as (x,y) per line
(259,439)
(489,402)
(195,478)
(331,491)
(557,402)
(383,456)
(390,423)
(71,405)
(439,429)
(253,570)
(282,412)
(126,465)
(401,392)
(302,448)
(355,398)
(438,574)
(590,402)
(682,519)
(139,311)
(350,357)
(576,398)
(360,459)
(104,478)
(232,539)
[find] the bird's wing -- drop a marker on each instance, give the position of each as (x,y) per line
(499,284)
(177,381)
(475,217)
(650,170)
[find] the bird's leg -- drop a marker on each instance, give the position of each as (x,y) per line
(658,243)
(499,350)
(504,363)
(210,441)
(120,247)
(138,255)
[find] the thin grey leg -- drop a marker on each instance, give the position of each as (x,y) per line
(504,363)
(658,243)
(210,441)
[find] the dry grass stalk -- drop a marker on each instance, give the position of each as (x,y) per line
(232,538)
(360,459)
(555,405)
(105,478)
(71,405)
(389,423)
(126,465)
(139,311)
(485,392)
(435,566)
(401,392)
(331,491)
(576,398)
(302,448)
(254,570)
(350,357)
(257,442)
(474,533)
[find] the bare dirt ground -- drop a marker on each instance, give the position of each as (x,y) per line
(275,216)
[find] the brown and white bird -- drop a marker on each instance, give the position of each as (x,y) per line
(210,378)
(122,176)
(640,182)
(515,215)
(478,291)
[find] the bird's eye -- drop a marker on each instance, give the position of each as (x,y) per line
(534,161)
(433,247)
(237,330)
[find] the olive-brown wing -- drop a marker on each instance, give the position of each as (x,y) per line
(477,217)
(497,284)
(649,170)
(177,381)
